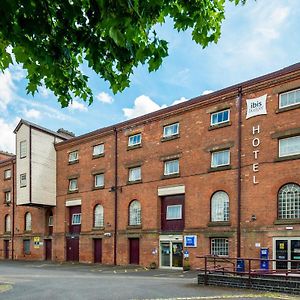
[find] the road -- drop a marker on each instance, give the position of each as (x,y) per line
(39,280)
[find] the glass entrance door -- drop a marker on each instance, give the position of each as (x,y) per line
(171,254)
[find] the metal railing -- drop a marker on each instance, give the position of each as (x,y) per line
(251,267)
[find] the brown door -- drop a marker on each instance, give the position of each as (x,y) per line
(48,249)
(134,251)
(6,249)
(73,249)
(97,250)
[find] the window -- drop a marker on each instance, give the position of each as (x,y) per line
(99,180)
(134,140)
(289,146)
(73,185)
(135,213)
(50,220)
(26,246)
(23,149)
(219,207)
(220,158)
(289,202)
(28,221)
(171,130)
(7,174)
(219,246)
(23,181)
(7,197)
(135,174)
(174,212)
(289,98)
(98,150)
(7,223)
(171,167)
(73,156)
(219,117)
(76,219)
(98,216)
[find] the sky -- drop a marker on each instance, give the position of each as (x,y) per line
(257,38)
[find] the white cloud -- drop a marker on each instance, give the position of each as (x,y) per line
(206,92)
(7,137)
(7,89)
(142,105)
(32,114)
(43,91)
(182,99)
(75,105)
(105,98)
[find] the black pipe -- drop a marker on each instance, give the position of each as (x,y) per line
(115,189)
(13,211)
(239,183)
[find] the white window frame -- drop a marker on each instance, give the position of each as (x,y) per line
(216,153)
(7,223)
(297,137)
(219,112)
(98,216)
(50,221)
(225,246)
(168,210)
(135,213)
(131,141)
(28,221)
(7,196)
(73,156)
(166,164)
(7,174)
(99,147)
(165,135)
(131,173)
(287,93)
(70,185)
(220,207)
(23,180)
(74,217)
(95,182)
(23,149)
(289,202)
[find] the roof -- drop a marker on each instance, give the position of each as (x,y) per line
(22,121)
(190,103)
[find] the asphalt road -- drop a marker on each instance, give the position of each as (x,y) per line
(38,280)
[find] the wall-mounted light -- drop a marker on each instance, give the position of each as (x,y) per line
(253,218)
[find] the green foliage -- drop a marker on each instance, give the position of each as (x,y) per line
(51,38)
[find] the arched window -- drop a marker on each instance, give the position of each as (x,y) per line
(135,213)
(289,201)
(28,221)
(219,207)
(98,216)
(7,223)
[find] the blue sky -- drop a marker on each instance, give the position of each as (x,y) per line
(258,38)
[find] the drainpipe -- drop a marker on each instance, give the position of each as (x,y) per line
(13,212)
(239,179)
(115,189)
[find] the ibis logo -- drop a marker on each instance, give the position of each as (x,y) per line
(256,106)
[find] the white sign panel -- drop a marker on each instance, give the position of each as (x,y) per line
(256,106)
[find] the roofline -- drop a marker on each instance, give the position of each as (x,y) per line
(6,161)
(190,103)
(38,127)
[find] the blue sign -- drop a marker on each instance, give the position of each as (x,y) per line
(190,241)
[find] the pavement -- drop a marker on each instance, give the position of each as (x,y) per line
(43,280)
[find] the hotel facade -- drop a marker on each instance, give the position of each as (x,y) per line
(218,174)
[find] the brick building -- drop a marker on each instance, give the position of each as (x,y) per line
(218,174)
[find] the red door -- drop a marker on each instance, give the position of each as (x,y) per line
(6,249)
(134,251)
(73,249)
(48,249)
(97,250)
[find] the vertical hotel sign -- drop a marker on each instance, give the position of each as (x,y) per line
(256,107)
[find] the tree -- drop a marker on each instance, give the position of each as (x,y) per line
(51,38)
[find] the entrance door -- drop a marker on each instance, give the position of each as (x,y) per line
(97,250)
(73,249)
(6,249)
(48,249)
(171,254)
(287,249)
(134,251)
